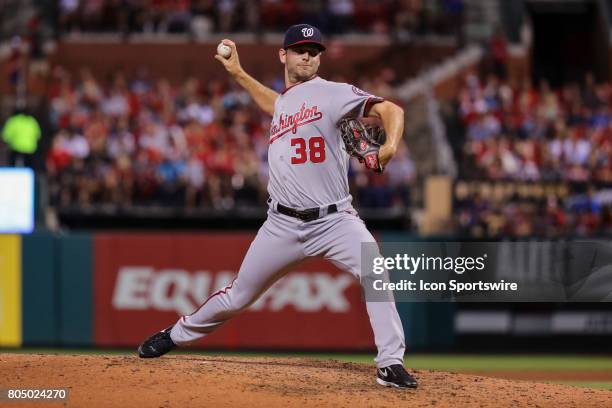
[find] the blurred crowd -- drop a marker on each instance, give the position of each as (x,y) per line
(201,17)
(517,209)
(535,136)
(144,141)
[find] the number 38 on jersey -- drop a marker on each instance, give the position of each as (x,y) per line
(312,150)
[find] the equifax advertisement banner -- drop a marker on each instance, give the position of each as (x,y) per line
(145,282)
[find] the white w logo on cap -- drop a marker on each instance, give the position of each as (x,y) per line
(307,32)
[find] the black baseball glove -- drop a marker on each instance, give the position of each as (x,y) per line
(363,142)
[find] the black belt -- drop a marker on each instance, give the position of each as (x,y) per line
(309,214)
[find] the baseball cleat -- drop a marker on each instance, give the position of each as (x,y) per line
(157,345)
(395,376)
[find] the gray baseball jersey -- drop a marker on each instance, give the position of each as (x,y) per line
(307,158)
(308,168)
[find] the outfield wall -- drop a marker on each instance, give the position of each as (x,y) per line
(114,289)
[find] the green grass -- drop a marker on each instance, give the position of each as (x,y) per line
(447,362)
(602,385)
(509,362)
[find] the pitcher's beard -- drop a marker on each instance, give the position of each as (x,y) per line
(302,77)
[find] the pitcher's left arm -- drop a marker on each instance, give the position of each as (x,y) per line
(392,117)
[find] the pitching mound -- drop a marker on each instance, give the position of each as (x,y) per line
(197,381)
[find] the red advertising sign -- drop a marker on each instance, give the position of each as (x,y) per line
(145,282)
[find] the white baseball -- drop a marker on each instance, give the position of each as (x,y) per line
(224,50)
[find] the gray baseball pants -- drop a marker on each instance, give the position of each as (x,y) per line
(282,243)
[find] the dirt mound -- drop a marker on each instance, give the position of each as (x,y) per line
(197,381)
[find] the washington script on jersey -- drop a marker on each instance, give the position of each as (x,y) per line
(287,123)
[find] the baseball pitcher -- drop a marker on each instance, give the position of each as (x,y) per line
(310,212)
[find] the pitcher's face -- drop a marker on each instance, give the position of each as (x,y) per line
(301,61)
